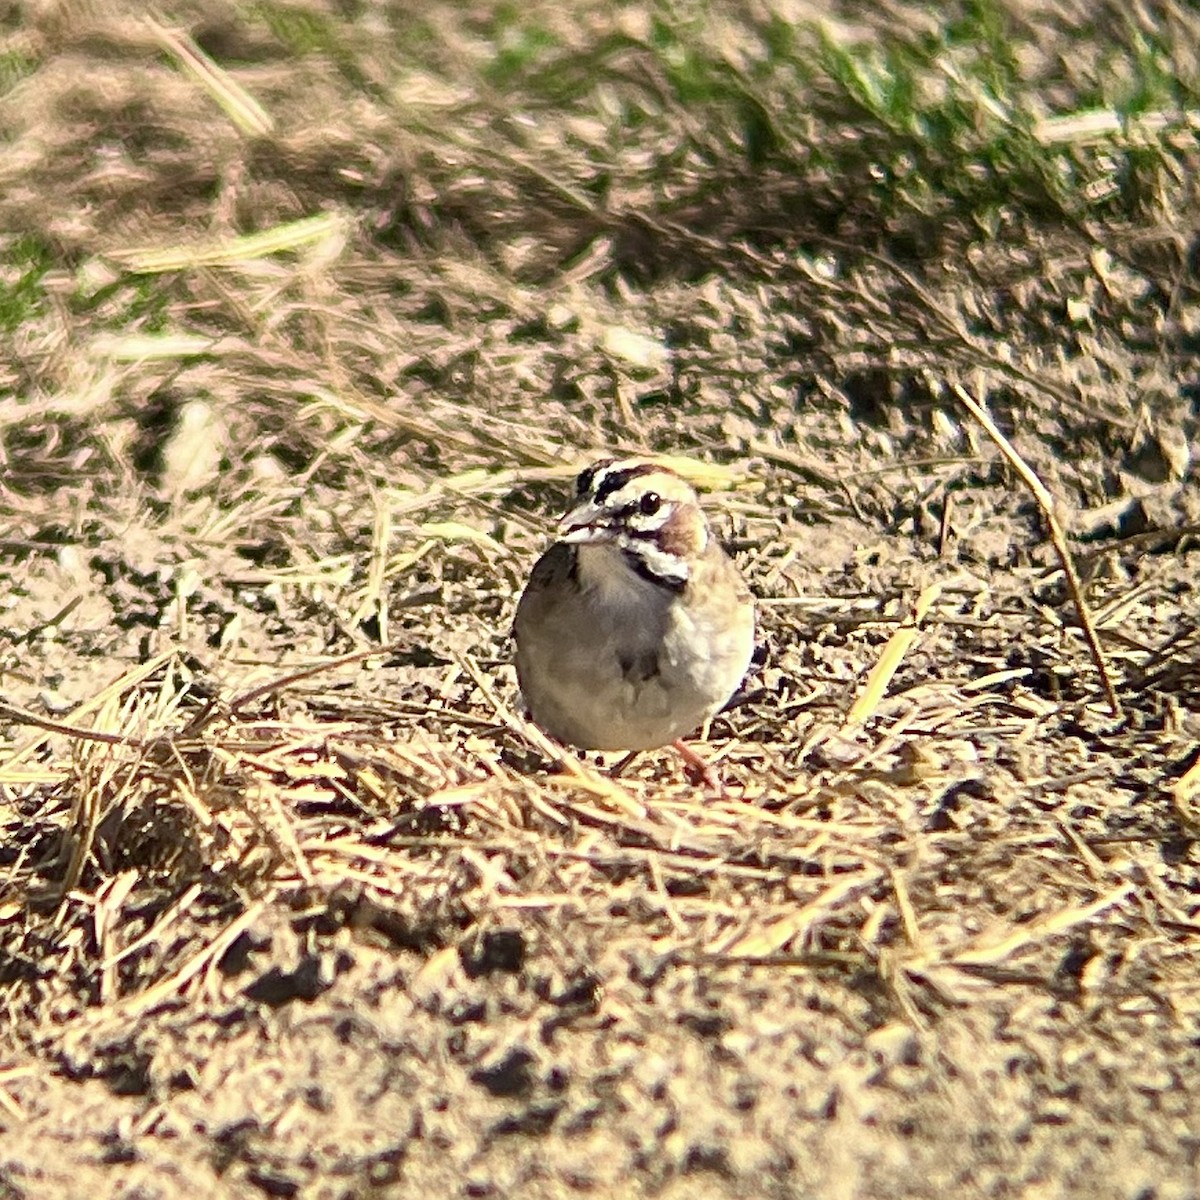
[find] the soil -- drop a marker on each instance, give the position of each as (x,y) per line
(293,902)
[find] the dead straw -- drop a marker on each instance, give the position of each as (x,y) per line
(1048,506)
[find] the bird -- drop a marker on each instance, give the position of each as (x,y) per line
(635,626)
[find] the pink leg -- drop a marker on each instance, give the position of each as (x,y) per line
(697,770)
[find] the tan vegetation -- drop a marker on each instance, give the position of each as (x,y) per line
(311,311)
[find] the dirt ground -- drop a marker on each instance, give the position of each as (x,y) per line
(293,903)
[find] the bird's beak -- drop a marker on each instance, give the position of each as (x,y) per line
(586,522)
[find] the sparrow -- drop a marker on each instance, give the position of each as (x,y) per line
(635,626)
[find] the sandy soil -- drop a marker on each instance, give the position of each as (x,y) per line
(292,905)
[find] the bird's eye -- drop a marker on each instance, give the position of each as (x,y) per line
(649,504)
(583,482)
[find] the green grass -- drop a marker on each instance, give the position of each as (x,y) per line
(15,65)
(923,123)
(24,262)
(121,304)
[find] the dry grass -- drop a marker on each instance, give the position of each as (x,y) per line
(309,321)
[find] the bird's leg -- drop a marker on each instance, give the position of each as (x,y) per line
(615,772)
(697,770)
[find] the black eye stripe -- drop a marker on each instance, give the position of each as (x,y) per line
(613,482)
(616,480)
(587,478)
